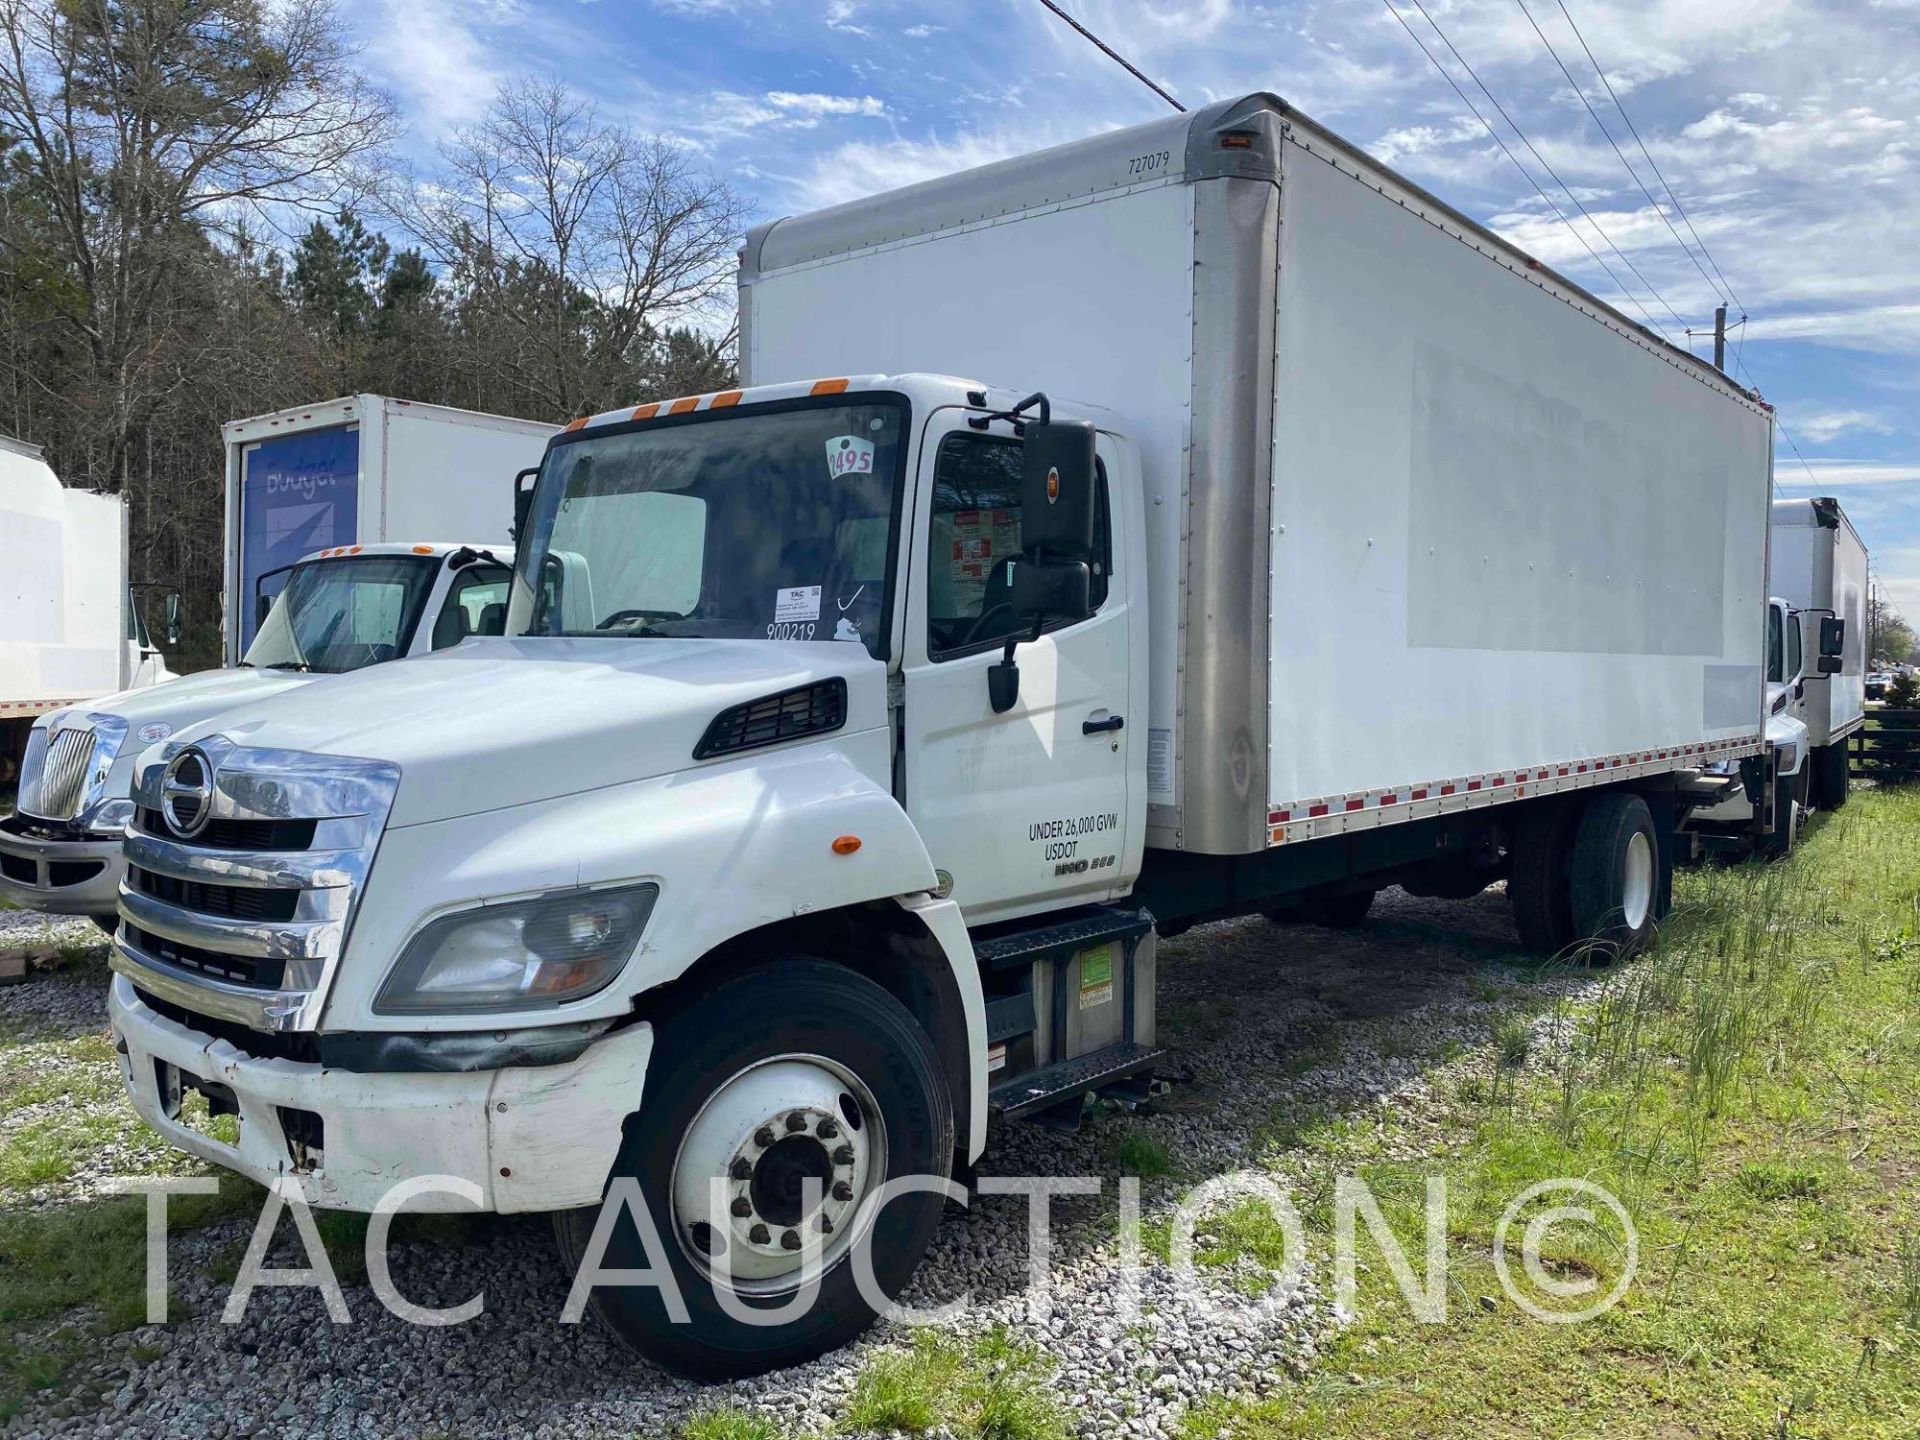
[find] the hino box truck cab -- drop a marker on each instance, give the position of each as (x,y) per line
(856,732)
(335,611)
(72,630)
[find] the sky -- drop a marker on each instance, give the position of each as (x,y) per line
(1788,131)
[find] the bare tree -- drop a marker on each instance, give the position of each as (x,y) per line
(574,240)
(139,126)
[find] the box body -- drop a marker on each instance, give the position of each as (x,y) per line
(1425,521)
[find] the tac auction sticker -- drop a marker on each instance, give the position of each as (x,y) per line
(849,455)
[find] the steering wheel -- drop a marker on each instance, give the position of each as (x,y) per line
(973,630)
(621,617)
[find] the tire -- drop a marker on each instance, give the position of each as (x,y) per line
(758,1040)
(108,923)
(1615,880)
(1786,822)
(1832,776)
(1538,888)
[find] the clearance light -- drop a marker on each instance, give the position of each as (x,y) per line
(846,845)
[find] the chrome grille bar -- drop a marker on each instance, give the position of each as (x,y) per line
(62,779)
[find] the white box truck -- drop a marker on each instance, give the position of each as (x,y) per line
(1818,565)
(361,470)
(337,610)
(71,630)
(1192,521)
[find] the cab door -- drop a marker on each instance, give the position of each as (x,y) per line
(1030,808)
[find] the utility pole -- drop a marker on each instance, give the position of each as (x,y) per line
(1720,338)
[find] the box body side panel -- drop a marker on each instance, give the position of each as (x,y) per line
(1504,535)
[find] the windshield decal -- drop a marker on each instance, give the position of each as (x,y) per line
(797,602)
(849,455)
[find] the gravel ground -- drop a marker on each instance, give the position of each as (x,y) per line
(1267,1020)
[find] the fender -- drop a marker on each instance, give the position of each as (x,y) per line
(734,847)
(944,923)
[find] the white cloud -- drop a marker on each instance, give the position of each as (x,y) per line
(811,103)
(849,172)
(1839,474)
(1826,425)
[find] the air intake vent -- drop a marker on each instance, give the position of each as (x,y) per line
(809,710)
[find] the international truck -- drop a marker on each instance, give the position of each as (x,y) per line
(1193,521)
(1816,682)
(72,631)
(342,608)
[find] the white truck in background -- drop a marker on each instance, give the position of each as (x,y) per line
(1816,680)
(360,470)
(856,732)
(72,631)
(346,607)
(1818,565)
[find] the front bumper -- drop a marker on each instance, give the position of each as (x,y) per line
(78,876)
(536,1138)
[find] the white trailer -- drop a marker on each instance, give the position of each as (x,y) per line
(361,470)
(1819,567)
(72,631)
(855,732)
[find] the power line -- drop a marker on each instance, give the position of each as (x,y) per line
(1525,173)
(1664,182)
(1581,96)
(1542,160)
(1115,56)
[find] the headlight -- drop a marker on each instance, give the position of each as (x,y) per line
(108,817)
(526,954)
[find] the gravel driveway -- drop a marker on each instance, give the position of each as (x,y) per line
(1269,1022)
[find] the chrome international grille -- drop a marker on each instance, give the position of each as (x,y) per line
(55,789)
(240,910)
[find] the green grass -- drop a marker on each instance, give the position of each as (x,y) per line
(1134,1152)
(1751,1093)
(727,1425)
(992,1388)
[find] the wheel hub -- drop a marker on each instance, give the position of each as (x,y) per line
(1636,887)
(772,1171)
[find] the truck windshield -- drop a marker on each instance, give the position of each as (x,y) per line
(337,615)
(774,524)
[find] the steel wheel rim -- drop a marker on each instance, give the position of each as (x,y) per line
(1636,883)
(745,1136)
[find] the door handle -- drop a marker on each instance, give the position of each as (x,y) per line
(1102,727)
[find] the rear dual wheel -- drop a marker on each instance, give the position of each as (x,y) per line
(788,1095)
(1587,874)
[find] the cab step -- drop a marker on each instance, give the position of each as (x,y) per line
(1030,1095)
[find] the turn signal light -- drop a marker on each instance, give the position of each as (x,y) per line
(846,844)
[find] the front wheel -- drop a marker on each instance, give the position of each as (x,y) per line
(1786,822)
(1831,775)
(789,1094)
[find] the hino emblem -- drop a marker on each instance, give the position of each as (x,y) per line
(186,793)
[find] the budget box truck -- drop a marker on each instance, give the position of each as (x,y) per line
(360,470)
(1192,521)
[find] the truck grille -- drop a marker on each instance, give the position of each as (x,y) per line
(54,788)
(244,921)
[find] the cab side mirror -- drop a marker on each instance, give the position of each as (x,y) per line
(173,618)
(1051,580)
(523,499)
(1829,665)
(1833,639)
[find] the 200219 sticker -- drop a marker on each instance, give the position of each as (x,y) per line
(849,455)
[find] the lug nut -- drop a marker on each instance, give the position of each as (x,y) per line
(742,1207)
(842,1191)
(763,1137)
(759,1235)
(790,1240)
(796,1121)
(843,1156)
(828,1130)
(741,1169)
(826,1226)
